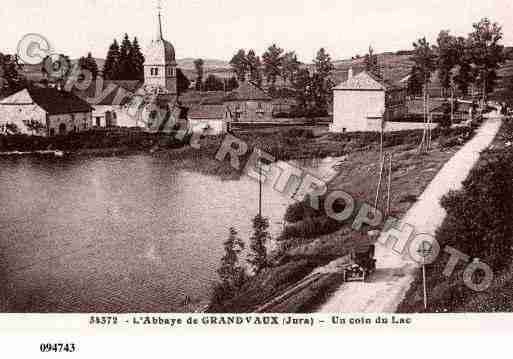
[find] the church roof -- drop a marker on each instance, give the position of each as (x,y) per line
(365,81)
(110,93)
(248,91)
(160,51)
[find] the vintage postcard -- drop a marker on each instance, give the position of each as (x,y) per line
(323,165)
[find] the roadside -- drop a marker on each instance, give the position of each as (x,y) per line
(394,274)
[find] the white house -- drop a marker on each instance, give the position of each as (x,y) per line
(209,119)
(44,112)
(363,101)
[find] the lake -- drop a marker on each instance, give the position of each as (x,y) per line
(119,234)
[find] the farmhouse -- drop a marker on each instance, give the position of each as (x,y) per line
(249,103)
(209,119)
(44,112)
(364,101)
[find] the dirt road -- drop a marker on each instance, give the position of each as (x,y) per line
(394,274)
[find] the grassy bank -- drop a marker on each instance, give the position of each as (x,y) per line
(479,223)
(311,239)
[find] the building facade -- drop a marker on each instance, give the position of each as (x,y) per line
(364,102)
(249,103)
(44,112)
(160,64)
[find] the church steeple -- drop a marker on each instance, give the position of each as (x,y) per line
(159,22)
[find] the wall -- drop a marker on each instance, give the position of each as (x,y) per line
(357,110)
(213,127)
(250,111)
(166,77)
(72,122)
(20,115)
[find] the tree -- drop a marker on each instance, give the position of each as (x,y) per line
(182,82)
(425,61)
(254,66)
(371,63)
(415,81)
(239,65)
(198,65)
(10,78)
(56,66)
(257,257)
(486,52)
(449,54)
(272,61)
(321,83)
(89,64)
(137,60)
(290,66)
(111,67)
(126,65)
(232,274)
(213,83)
(424,58)
(232,84)
(301,86)
(323,65)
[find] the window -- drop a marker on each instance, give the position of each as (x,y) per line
(156,71)
(98,121)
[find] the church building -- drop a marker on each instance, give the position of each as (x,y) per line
(160,65)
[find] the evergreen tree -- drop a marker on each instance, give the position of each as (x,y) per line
(111,67)
(321,83)
(231,273)
(258,251)
(126,65)
(89,64)
(137,60)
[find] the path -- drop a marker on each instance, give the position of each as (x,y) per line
(394,274)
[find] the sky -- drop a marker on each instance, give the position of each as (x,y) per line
(217,28)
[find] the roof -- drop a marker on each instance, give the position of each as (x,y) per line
(208,112)
(110,92)
(248,91)
(366,81)
(51,100)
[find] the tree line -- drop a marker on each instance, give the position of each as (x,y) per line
(461,62)
(125,62)
(212,82)
(311,86)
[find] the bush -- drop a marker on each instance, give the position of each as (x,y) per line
(480,217)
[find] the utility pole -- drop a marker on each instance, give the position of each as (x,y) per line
(259,186)
(424,252)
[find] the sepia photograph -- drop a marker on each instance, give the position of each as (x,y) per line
(300,158)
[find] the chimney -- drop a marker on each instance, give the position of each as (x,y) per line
(350,73)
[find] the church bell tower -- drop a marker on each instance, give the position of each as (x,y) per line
(160,63)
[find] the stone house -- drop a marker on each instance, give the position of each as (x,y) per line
(364,101)
(44,112)
(249,103)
